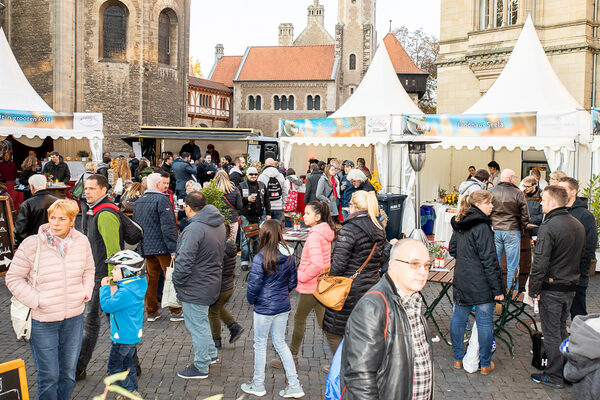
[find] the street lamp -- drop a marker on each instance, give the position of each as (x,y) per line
(417,150)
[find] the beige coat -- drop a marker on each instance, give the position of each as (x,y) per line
(63,284)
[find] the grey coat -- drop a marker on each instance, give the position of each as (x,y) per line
(199,258)
(325,193)
(583,357)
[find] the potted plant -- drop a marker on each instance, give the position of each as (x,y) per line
(83,155)
(297,217)
(592,192)
(438,251)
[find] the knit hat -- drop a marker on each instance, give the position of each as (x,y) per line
(252,170)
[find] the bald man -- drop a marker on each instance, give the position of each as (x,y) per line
(377,362)
(509,219)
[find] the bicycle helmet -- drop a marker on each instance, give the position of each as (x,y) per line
(130,262)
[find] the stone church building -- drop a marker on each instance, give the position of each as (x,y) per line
(127,59)
(477,37)
(307,76)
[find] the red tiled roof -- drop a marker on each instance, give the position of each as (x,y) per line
(288,63)
(226,69)
(401,61)
(194,81)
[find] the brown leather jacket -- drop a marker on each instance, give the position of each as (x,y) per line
(510,208)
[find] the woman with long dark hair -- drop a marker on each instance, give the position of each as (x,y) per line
(28,168)
(272,278)
(477,276)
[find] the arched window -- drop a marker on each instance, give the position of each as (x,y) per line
(284,103)
(258,102)
(291,103)
(309,102)
(167,37)
(317,102)
(251,103)
(352,62)
(276,103)
(114,31)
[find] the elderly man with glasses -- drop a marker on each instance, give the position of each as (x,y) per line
(387,350)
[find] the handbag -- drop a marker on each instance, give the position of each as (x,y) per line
(77,190)
(20,314)
(291,203)
(332,291)
(169,296)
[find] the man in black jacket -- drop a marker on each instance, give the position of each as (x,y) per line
(197,278)
(34,211)
(236,173)
(57,168)
(310,193)
(387,351)
(554,277)
(255,203)
(578,209)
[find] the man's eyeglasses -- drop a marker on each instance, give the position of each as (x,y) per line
(416,265)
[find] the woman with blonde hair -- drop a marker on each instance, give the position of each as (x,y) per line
(121,174)
(232,197)
(133,192)
(64,283)
(477,275)
(361,239)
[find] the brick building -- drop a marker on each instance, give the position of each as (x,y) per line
(127,59)
(477,37)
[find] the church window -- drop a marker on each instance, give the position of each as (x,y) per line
(352,62)
(258,103)
(317,102)
(251,103)
(114,31)
(291,102)
(498,13)
(309,103)
(167,37)
(276,103)
(284,103)
(513,12)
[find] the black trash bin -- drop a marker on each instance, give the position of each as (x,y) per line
(393,205)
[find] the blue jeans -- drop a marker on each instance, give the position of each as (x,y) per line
(196,321)
(509,242)
(244,245)
(484,315)
(55,347)
(345,214)
(276,324)
(277,214)
(121,359)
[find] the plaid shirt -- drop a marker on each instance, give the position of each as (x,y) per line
(422,363)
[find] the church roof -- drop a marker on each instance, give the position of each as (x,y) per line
(288,63)
(401,61)
(225,69)
(205,83)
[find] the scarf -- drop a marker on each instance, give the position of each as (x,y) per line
(57,243)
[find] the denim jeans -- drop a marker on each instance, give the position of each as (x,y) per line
(484,315)
(276,324)
(509,242)
(55,347)
(121,359)
(244,245)
(196,321)
(277,214)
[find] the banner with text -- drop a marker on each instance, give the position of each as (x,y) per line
(513,124)
(34,119)
(322,127)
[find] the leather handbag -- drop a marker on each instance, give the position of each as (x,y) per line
(20,314)
(332,291)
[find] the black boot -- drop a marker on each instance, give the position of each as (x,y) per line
(236,331)
(218,343)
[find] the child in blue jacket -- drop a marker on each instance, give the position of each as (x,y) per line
(125,304)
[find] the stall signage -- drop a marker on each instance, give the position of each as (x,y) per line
(35,119)
(322,127)
(502,124)
(596,121)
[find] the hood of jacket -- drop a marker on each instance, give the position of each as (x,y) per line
(209,215)
(136,285)
(362,220)
(323,230)
(235,169)
(271,172)
(473,217)
(585,336)
(468,183)
(99,166)
(316,172)
(579,203)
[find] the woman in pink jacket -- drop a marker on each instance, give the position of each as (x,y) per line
(316,257)
(64,283)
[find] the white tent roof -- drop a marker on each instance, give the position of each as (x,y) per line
(15,91)
(379,93)
(528,83)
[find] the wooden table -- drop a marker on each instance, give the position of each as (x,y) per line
(297,238)
(58,191)
(444,278)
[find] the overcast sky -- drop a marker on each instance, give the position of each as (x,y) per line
(241,23)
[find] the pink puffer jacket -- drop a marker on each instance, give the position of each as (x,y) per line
(63,284)
(316,257)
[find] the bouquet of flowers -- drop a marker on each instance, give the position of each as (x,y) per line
(297,217)
(49,177)
(375,181)
(450,199)
(438,251)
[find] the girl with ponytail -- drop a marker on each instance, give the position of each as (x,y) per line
(316,258)
(361,239)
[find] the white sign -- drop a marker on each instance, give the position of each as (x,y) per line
(137,149)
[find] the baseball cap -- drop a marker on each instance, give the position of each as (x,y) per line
(349,163)
(252,170)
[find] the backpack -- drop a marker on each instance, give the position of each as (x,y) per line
(132,232)
(274,189)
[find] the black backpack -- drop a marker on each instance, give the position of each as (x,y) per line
(539,359)
(274,189)
(132,232)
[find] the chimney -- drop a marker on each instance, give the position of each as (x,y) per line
(286,34)
(219,51)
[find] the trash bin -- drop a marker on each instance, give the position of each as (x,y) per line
(427,219)
(393,205)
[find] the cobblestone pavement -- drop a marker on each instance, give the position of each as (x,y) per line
(167,348)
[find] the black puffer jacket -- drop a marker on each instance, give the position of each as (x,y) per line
(353,245)
(228,266)
(477,275)
(580,212)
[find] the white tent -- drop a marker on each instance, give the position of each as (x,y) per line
(17,94)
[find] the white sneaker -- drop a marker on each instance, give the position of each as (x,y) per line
(152,318)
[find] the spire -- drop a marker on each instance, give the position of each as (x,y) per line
(390,26)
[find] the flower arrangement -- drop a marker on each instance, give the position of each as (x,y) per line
(50,178)
(438,251)
(375,181)
(297,218)
(450,199)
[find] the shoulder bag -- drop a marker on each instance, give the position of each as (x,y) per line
(239,219)
(291,203)
(20,314)
(332,291)
(169,295)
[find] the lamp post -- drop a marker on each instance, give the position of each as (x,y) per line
(417,150)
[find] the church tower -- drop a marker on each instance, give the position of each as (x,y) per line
(355,42)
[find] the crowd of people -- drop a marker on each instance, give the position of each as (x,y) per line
(69,277)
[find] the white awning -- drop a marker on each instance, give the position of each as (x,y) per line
(337,141)
(509,143)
